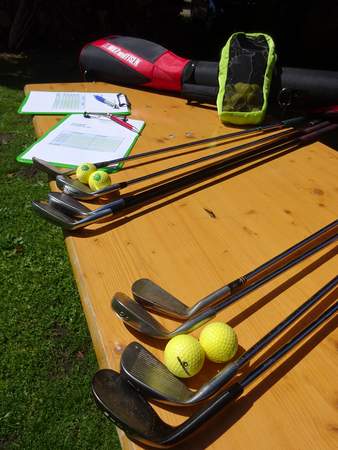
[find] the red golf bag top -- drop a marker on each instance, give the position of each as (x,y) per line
(133,61)
(130,61)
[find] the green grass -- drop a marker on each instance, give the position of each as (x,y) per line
(47,360)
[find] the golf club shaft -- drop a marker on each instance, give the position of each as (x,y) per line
(256,144)
(269,276)
(245,280)
(264,128)
(232,368)
(277,137)
(138,318)
(205,173)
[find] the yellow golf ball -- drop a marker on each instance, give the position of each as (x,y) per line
(83,172)
(99,180)
(184,356)
(219,342)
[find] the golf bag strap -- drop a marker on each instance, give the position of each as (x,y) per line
(164,73)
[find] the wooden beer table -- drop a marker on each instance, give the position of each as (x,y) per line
(202,237)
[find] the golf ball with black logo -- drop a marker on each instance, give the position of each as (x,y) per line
(184,356)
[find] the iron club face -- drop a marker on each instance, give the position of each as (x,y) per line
(72,207)
(68,205)
(64,221)
(138,318)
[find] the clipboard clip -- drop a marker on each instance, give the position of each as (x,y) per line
(123,100)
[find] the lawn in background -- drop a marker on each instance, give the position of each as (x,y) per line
(47,360)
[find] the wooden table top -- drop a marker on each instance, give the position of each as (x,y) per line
(197,240)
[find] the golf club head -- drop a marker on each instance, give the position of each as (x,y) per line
(68,205)
(151,296)
(126,408)
(138,318)
(51,170)
(148,375)
(57,217)
(63,180)
(81,191)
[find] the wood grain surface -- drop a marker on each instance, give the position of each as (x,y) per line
(200,238)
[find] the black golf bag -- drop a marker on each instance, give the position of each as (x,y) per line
(133,61)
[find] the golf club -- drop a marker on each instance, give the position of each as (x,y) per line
(149,375)
(62,209)
(140,320)
(53,171)
(59,218)
(83,192)
(129,410)
(153,297)
(68,205)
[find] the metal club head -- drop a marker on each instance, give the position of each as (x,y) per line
(81,191)
(151,296)
(138,318)
(127,409)
(149,375)
(57,217)
(48,168)
(68,205)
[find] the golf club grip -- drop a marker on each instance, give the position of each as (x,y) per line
(315,134)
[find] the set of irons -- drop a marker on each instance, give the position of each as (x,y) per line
(122,396)
(65,209)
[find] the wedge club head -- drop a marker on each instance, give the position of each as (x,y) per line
(126,408)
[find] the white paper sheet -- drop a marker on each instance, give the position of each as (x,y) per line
(78,139)
(46,102)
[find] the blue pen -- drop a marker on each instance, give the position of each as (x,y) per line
(107,102)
